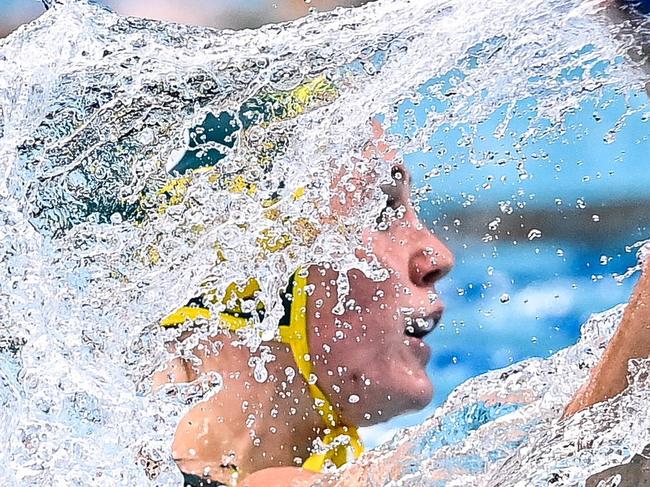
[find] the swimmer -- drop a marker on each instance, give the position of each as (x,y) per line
(362,367)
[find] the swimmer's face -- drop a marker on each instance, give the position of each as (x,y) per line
(371,360)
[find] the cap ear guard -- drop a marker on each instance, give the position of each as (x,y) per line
(233,299)
(292,331)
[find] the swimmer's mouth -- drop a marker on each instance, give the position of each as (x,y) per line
(421,327)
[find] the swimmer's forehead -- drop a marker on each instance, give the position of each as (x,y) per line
(399,174)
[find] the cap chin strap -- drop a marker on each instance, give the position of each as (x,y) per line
(295,335)
(336,450)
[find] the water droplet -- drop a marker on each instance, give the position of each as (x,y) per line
(504,298)
(353,399)
(580,203)
(595,218)
(534,233)
(506,207)
(559,253)
(494,224)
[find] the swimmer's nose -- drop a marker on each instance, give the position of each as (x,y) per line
(430,261)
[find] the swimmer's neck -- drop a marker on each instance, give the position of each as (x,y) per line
(249,424)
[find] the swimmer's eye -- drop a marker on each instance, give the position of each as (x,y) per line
(395,192)
(399,174)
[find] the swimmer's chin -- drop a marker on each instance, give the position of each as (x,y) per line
(417,392)
(409,398)
(422,397)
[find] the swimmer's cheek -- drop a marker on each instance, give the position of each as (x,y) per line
(283,477)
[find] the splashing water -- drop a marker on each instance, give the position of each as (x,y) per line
(100,241)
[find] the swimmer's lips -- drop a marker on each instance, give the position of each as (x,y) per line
(415,335)
(419,328)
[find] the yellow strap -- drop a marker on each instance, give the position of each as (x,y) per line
(179,316)
(338,455)
(295,335)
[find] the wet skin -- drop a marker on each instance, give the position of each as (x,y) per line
(371,360)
